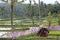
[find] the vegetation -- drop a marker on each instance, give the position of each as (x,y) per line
(18,12)
(34,36)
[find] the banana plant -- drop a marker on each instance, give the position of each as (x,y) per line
(49,17)
(30,10)
(58,18)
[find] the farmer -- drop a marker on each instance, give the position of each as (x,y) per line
(44,30)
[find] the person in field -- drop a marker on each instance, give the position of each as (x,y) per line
(43,32)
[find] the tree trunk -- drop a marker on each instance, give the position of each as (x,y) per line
(12,4)
(33,21)
(39,11)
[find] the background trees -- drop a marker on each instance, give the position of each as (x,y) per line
(31,11)
(44,9)
(2,9)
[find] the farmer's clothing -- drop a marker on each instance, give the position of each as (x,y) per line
(43,32)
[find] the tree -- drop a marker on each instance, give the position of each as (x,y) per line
(30,11)
(12,6)
(2,11)
(43,9)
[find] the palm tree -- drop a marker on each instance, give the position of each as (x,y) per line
(29,10)
(12,6)
(39,12)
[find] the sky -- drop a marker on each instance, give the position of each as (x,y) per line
(45,1)
(50,1)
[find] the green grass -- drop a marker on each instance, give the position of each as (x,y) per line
(34,36)
(53,22)
(52,36)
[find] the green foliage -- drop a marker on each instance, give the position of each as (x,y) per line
(2,10)
(58,18)
(35,36)
(49,18)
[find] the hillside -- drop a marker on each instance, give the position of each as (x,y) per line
(18,10)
